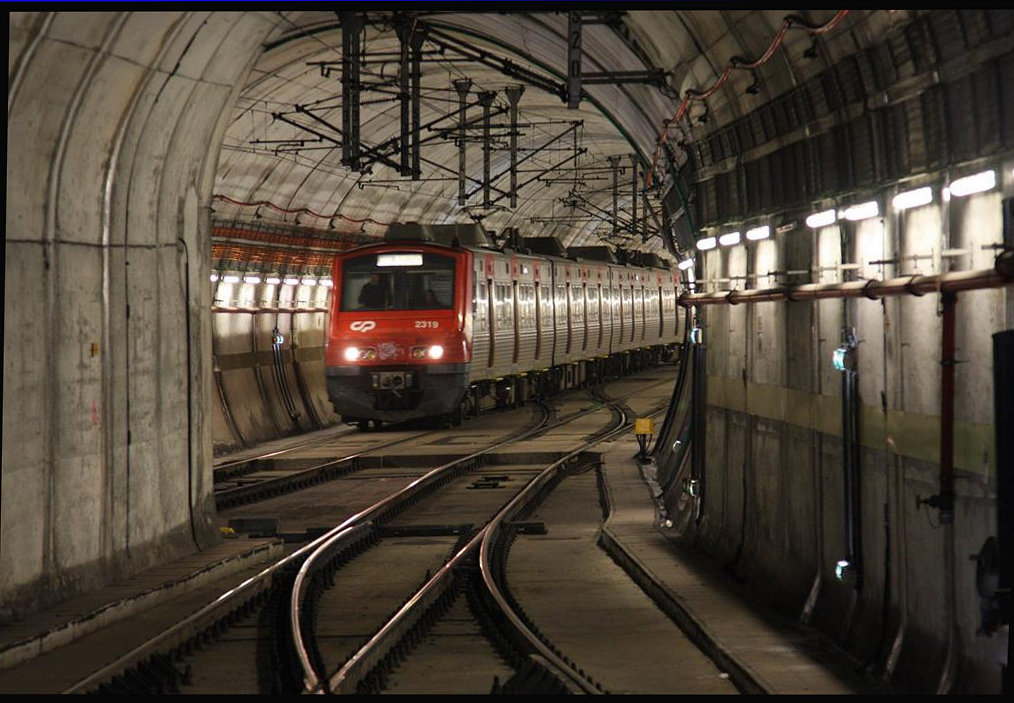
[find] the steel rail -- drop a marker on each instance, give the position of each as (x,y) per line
(347,678)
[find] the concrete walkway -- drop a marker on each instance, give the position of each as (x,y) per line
(764,652)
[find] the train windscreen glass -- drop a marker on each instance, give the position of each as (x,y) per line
(398,281)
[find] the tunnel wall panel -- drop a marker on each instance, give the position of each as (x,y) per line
(774,479)
(110,126)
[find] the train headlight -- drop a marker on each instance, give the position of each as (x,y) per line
(433,352)
(351,353)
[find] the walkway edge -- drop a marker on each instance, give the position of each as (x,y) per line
(745,679)
(28,648)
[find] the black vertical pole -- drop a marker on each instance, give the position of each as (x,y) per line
(633,194)
(352,25)
(418,35)
(486,98)
(513,97)
(405,74)
(462,85)
(573,59)
(1003,411)
(697,414)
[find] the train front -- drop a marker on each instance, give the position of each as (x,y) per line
(398,343)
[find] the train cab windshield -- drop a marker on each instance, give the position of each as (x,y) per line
(398,281)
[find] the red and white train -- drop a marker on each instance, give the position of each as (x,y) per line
(435,321)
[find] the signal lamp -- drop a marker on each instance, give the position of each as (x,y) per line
(843,359)
(845,572)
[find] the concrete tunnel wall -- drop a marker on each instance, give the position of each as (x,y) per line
(773,507)
(111,408)
(268,387)
(114,123)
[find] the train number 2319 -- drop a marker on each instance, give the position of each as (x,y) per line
(427,324)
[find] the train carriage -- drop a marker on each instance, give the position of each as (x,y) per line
(432,319)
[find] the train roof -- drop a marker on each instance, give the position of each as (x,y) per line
(546,246)
(465,235)
(599,253)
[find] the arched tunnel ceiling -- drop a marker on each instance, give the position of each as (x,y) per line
(281,157)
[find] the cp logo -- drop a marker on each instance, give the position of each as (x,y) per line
(362,325)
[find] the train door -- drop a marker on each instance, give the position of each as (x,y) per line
(661,312)
(546,327)
(614,313)
(594,319)
(491,316)
(627,291)
(538,320)
(518,321)
(562,323)
(617,343)
(577,318)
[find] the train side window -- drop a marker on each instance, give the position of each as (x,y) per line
(479,307)
(577,309)
(508,306)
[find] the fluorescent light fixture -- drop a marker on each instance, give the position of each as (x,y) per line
(251,279)
(326,282)
(727,240)
(309,281)
(230,279)
(822,219)
(686,263)
(214,277)
(862,211)
(272,280)
(399,259)
(290,281)
(986,180)
(758,233)
(913,198)
(706,243)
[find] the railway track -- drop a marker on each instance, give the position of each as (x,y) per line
(275,473)
(449,531)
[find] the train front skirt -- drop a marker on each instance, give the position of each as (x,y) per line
(396,393)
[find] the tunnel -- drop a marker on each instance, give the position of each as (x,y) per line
(835,189)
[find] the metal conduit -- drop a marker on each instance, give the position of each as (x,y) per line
(947,285)
(1002,274)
